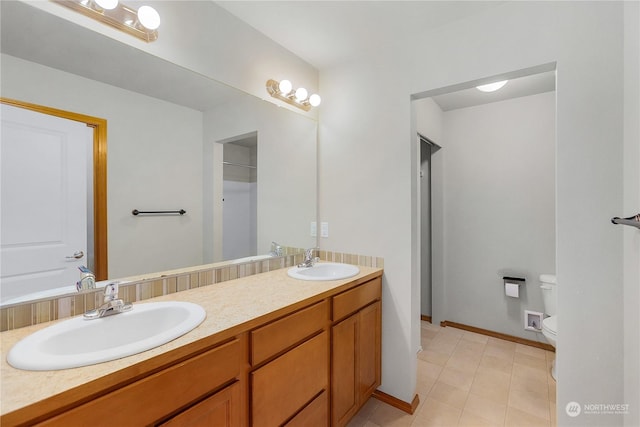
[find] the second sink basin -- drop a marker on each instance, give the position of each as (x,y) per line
(324,271)
(79,342)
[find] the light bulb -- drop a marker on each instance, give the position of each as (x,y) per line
(315,100)
(107,4)
(492,87)
(149,17)
(301,94)
(285,87)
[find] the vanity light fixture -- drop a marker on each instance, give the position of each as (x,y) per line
(492,87)
(283,90)
(142,23)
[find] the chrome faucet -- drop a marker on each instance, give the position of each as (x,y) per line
(87,279)
(309,259)
(112,304)
(276,249)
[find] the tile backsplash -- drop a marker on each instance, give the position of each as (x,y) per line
(45,310)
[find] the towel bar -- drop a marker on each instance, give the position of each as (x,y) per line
(633,221)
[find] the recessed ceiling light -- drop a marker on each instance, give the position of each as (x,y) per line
(492,87)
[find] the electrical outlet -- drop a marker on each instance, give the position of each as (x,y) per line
(314,229)
(533,320)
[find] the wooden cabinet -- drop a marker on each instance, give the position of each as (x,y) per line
(355,359)
(165,393)
(314,364)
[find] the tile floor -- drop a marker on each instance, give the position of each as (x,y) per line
(467,379)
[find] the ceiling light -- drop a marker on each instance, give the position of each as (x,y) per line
(107,4)
(140,23)
(315,100)
(301,94)
(300,98)
(149,17)
(492,87)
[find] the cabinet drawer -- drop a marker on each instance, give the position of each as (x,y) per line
(220,410)
(282,387)
(352,300)
(314,414)
(153,397)
(277,336)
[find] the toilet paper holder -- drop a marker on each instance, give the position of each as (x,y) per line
(512,286)
(515,280)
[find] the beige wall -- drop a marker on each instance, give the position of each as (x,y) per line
(147,169)
(499,210)
(287,172)
(367,149)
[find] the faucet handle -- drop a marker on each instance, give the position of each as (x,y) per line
(110,291)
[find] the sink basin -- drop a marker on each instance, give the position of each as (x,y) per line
(324,271)
(78,342)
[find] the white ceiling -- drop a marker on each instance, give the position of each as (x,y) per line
(328,32)
(325,33)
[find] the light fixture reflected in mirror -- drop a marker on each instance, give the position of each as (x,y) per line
(106,4)
(283,91)
(149,17)
(141,23)
(301,94)
(315,100)
(285,86)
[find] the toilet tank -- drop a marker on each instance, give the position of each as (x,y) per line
(549,293)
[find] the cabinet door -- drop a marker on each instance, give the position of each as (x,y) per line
(344,394)
(368,350)
(220,410)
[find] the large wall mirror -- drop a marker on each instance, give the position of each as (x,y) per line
(170,132)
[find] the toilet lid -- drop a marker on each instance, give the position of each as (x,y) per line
(550,324)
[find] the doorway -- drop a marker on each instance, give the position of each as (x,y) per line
(95,254)
(427,148)
(499,174)
(240,197)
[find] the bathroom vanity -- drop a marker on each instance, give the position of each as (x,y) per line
(273,350)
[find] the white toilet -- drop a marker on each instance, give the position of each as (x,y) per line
(550,324)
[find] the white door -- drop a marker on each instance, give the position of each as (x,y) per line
(43,207)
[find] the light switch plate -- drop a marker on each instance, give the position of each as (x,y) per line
(324,229)
(314,229)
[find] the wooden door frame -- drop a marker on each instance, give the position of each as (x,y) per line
(99,177)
